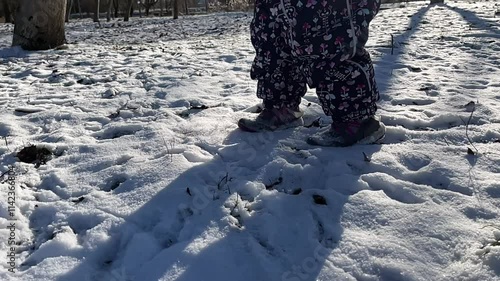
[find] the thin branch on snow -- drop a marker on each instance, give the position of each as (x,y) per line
(3,174)
(169,149)
(6,143)
(469,151)
(392,44)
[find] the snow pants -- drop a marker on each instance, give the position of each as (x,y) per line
(315,43)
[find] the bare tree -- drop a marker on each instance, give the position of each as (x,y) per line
(97,11)
(175,9)
(128,10)
(148,4)
(79,9)
(6,11)
(108,10)
(69,7)
(116,6)
(39,24)
(9,9)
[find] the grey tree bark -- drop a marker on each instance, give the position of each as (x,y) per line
(39,24)
(108,10)
(6,11)
(9,9)
(116,6)
(79,9)
(175,9)
(69,7)
(97,11)
(128,9)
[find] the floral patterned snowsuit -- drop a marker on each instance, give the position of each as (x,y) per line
(320,43)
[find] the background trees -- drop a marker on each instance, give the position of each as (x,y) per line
(8,8)
(128,8)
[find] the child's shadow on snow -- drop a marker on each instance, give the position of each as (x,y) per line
(235,219)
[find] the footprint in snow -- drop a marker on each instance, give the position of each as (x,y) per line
(114,132)
(395,189)
(113,183)
(228,58)
(415,161)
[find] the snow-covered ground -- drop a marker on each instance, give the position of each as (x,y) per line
(151,180)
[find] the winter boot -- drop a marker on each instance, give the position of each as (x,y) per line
(273,119)
(367,131)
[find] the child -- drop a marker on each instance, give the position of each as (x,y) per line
(319,43)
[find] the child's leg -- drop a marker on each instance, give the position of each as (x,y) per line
(348,91)
(280,81)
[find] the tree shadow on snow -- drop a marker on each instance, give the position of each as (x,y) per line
(260,210)
(489,26)
(388,61)
(12,52)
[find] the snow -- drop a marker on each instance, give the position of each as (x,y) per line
(151,179)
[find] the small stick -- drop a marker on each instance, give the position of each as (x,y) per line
(467,129)
(392,44)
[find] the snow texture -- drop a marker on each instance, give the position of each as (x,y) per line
(151,179)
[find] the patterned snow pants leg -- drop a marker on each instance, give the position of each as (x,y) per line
(281,82)
(348,91)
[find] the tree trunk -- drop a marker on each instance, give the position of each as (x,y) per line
(186,7)
(40,24)
(128,10)
(206,5)
(175,9)
(79,9)
(6,11)
(96,12)
(116,5)
(437,1)
(161,8)
(69,7)
(108,10)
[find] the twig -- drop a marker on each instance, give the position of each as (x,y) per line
(237,216)
(219,185)
(392,44)
(3,174)
(467,129)
(446,141)
(168,149)
(236,203)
